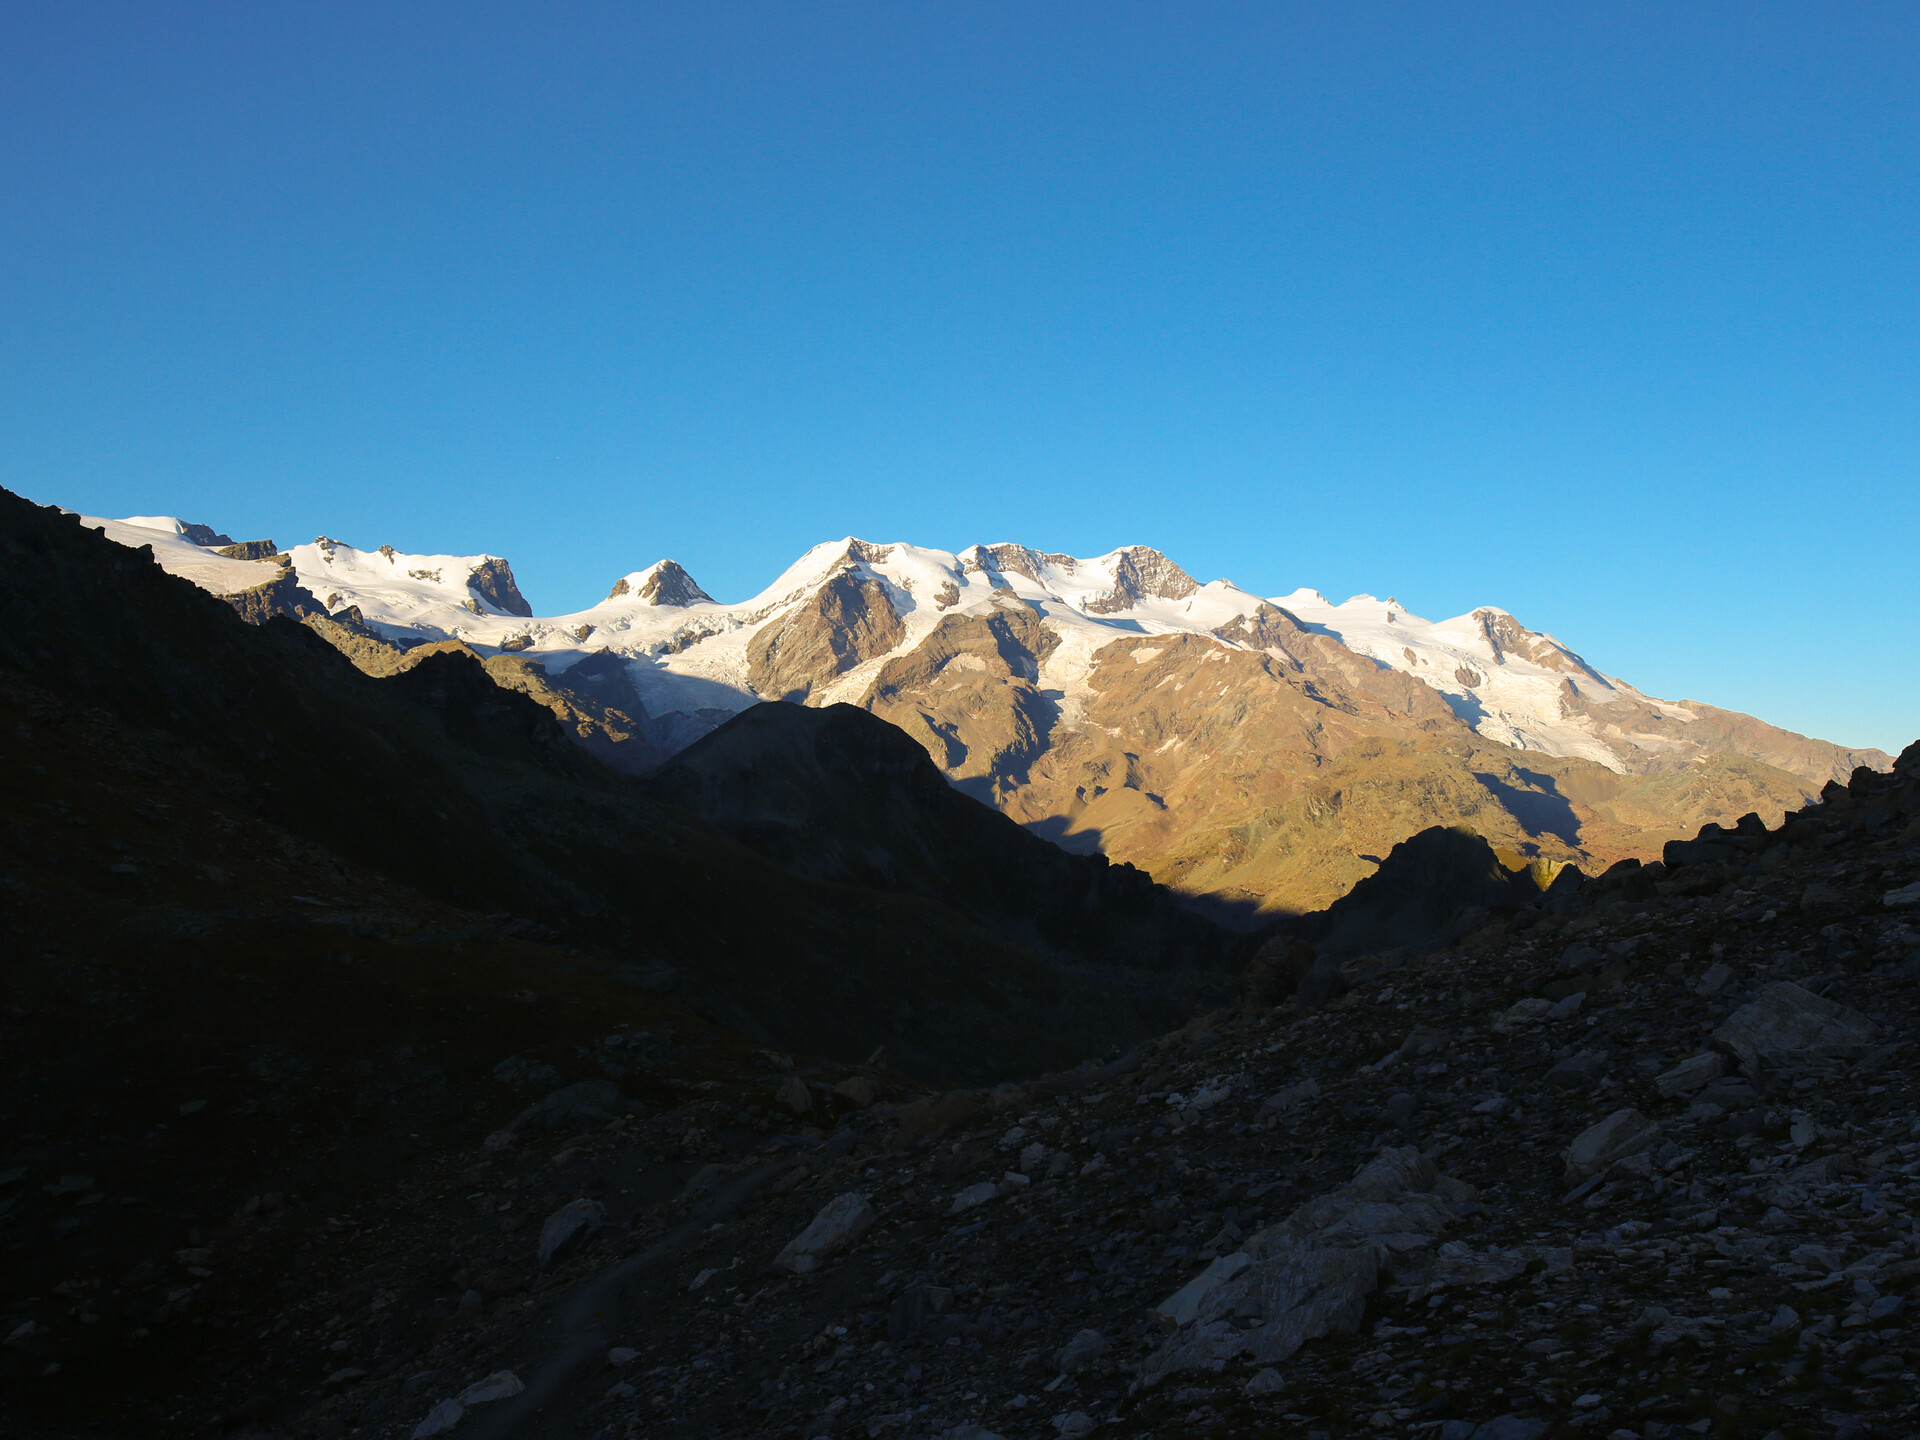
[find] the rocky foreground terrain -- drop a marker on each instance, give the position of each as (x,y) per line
(1639,1160)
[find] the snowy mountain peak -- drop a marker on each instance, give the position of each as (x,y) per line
(1140,573)
(665,582)
(1106,585)
(204,536)
(825,629)
(409,590)
(1505,635)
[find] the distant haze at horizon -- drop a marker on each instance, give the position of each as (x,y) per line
(1609,318)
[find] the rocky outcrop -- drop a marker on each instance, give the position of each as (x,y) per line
(594,702)
(663,583)
(248,550)
(492,581)
(671,585)
(849,619)
(1311,1275)
(1017,559)
(1433,885)
(283,595)
(207,536)
(1143,574)
(1507,636)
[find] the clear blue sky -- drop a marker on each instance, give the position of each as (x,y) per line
(1605,313)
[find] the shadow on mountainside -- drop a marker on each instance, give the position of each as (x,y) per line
(1058,830)
(444,781)
(1541,810)
(838,794)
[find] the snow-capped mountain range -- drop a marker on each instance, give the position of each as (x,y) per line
(898,628)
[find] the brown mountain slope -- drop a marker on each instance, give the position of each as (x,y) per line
(1045,685)
(1270,779)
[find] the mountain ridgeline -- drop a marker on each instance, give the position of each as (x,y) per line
(1259,755)
(970,949)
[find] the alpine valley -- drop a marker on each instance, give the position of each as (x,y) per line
(425,1019)
(1258,754)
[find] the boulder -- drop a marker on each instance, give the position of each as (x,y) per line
(1786,1023)
(1511,1427)
(841,1221)
(858,1090)
(532,1074)
(1597,1148)
(570,1224)
(793,1094)
(974,1195)
(1084,1351)
(1293,1095)
(586,1106)
(930,1115)
(1690,1074)
(1310,1274)
(1706,850)
(1568,1007)
(1324,981)
(1580,1072)
(1576,958)
(500,1385)
(1181,1307)
(442,1418)
(1714,980)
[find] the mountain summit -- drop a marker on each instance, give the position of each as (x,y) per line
(1253,748)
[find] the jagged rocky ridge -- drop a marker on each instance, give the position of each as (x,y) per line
(1259,752)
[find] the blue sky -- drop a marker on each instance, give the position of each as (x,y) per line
(1605,313)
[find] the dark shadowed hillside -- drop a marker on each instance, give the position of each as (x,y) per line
(840,794)
(441,779)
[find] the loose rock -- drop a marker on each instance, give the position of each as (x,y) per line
(841,1221)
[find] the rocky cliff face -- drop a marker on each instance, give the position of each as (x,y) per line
(970,694)
(492,581)
(848,620)
(1141,574)
(282,595)
(671,585)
